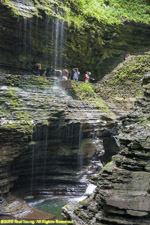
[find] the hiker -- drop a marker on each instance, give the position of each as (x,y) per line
(69,75)
(88,77)
(50,71)
(37,69)
(76,74)
(126,56)
(65,74)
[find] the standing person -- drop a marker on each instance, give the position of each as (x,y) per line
(69,75)
(88,77)
(76,74)
(127,56)
(50,71)
(37,69)
(65,74)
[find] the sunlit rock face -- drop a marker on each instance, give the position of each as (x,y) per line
(122,195)
(26,39)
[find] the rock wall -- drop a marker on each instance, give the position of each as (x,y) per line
(28,35)
(25,41)
(122,195)
(41,133)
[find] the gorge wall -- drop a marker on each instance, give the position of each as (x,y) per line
(29,34)
(122,195)
(46,137)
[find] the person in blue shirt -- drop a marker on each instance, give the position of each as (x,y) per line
(76,74)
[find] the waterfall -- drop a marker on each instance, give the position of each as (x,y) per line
(25,37)
(61,43)
(80,152)
(57,30)
(47,38)
(30,37)
(45,154)
(19,36)
(32,169)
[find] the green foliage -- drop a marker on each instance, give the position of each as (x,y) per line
(134,69)
(144,121)
(139,94)
(10,4)
(107,11)
(82,12)
(84,91)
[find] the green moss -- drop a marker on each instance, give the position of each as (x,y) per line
(84,201)
(138,95)
(81,12)
(145,122)
(85,92)
(133,69)
(108,166)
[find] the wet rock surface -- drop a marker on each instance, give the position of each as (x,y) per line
(16,208)
(46,137)
(122,195)
(21,23)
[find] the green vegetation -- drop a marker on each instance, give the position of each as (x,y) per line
(134,69)
(29,82)
(144,122)
(108,166)
(108,11)
(138,95)
(82,12)
(15,12)
(84,91)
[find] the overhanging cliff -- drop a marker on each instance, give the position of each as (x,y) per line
(33,31)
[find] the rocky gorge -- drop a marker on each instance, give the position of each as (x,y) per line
(122,194)
(56,137)
(42,31)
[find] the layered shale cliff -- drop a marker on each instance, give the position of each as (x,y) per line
(32,31)
(122,195)
(46,136)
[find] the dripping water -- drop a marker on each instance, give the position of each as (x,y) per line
(25,37)
(80,152)
(56,43)
(30,38)
(61,43)
(45,154)
(32,168)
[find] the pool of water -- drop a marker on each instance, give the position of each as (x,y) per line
(50,205)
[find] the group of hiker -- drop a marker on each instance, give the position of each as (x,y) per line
(64,74)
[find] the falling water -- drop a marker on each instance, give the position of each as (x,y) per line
(47,26)
(30,37)
(45,154)
(56,42)
(37,26)
(80,152)
(18,47)
(61,44)
(25,37)
(32,171)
